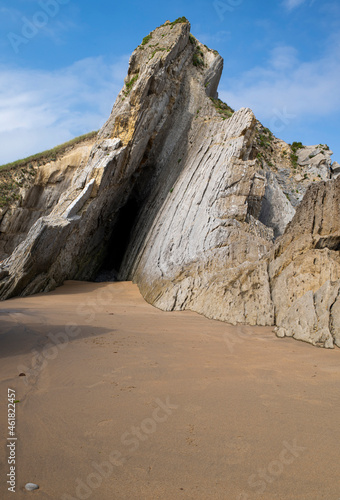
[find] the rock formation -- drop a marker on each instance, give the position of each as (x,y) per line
(304,269)
(31,200)
(190,200)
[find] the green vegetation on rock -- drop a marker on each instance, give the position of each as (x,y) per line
(179,20)
(130,84)
(294,159)
(293,156)
(222,108)
(297,145)
(146,39)
(269,134)
(198,57)
(265,138)
(8,192)
(159,49)
(50,154)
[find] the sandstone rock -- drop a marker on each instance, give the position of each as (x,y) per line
(186,198)
(276,210)
(203,238)
(41,189)
(151,119)
(335,170)
(304,269)
(317,160)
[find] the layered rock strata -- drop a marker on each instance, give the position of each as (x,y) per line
(199,205)
(304,269)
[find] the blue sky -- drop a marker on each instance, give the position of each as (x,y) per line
(62,63)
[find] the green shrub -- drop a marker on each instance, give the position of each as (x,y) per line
(222,108)
(197,61)
(297,145)
(269,133)
(179,20)
(294,159)
(264,141)
(146,39)
(198,57)
(130,84)
(324,147)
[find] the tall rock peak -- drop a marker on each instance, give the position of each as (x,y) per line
(187,198)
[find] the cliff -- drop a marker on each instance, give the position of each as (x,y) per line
(31,188)
(190,200)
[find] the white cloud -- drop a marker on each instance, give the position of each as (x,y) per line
(218,37)
(39,109)
(292,4)
(285,85)
(9,13)
(283,58)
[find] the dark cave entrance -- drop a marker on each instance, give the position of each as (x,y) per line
(119,240)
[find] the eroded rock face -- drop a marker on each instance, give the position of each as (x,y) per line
(40,189)
(200,206)
(206,233)
(304,269)
(150,120)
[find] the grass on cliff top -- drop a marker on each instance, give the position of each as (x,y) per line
(50,154)
(179,20)
(297,145)
(222,108)
(293,156)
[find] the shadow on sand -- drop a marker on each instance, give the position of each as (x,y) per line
(17,338)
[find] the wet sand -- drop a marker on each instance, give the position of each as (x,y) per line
(123,401)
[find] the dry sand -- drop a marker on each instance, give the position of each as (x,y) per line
(134,403)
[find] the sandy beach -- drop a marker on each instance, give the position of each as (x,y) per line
(122,401)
